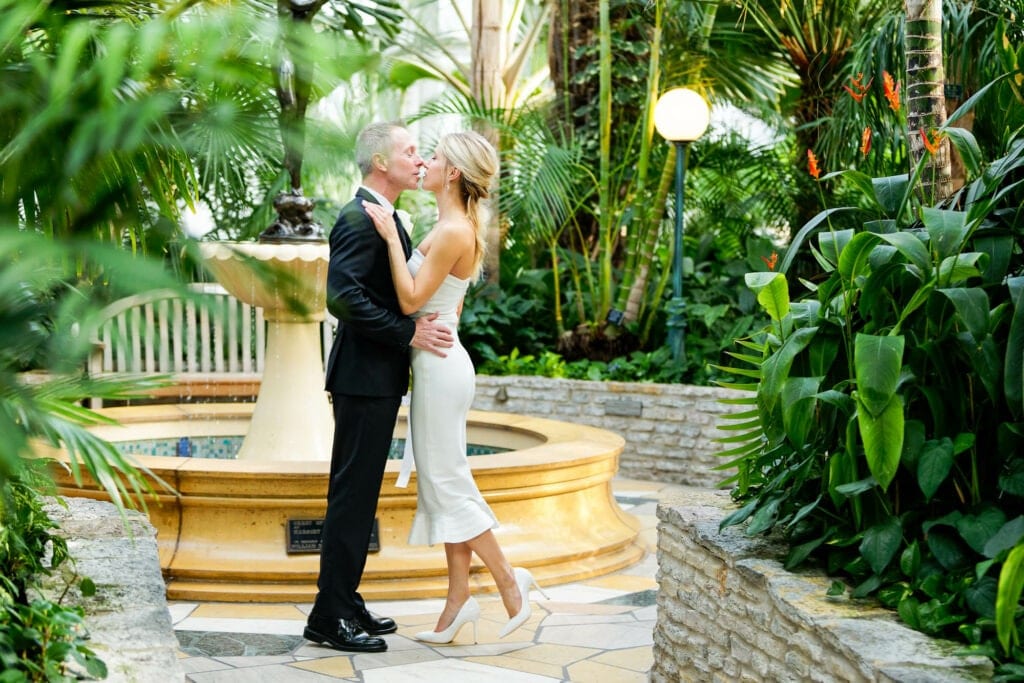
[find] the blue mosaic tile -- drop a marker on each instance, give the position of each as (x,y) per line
(227,447)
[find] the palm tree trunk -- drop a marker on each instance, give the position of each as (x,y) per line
(636,299)
(488,46)
(926,100)
(607,221)
(637,258)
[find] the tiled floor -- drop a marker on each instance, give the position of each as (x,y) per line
(594,630)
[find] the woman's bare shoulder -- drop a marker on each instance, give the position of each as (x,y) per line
(454,229)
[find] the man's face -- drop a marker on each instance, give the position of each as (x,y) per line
(403,164)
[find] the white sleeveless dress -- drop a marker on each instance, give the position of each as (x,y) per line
(449,507)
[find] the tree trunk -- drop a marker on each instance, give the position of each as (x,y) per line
(926,98)
(488,46)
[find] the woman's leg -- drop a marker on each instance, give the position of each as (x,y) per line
(487,549)
(458,556)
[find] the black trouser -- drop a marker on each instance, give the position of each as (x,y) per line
(363,427)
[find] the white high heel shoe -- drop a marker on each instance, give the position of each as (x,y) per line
(524,579)
(469,613)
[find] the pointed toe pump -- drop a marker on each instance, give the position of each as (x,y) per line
(524,580)
(469,613)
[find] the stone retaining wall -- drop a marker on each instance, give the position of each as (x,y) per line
(728,611)
(129,624)
(670,429)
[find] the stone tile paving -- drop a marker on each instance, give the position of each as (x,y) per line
(594,630)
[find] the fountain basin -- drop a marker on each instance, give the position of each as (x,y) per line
(222,536)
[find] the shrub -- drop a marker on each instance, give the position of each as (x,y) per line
(885,436)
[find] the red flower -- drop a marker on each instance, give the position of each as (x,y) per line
(859,89)
(770,261)
(892,91)
(931,144)
(812,165)
(865,141)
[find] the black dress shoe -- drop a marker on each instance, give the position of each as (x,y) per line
(374,625)
(342,634)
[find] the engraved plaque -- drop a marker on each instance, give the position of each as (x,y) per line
(303,536)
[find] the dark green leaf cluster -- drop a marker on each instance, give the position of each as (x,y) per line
(495,321)
(884,433)
(39,640)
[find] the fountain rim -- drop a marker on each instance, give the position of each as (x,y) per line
(557,441)
(223,250)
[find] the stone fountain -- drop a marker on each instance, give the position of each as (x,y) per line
(292,419)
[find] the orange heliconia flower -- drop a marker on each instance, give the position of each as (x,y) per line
(812,165)
(865,141)
(858,88)
(771,261)
(931,144)
(892,91)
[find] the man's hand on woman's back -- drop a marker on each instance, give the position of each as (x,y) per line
(432,336)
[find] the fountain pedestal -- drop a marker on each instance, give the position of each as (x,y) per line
(292,419)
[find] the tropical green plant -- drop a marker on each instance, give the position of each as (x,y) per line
(622,233)
(494,322)
(37,636)
(882,436)
(99,153)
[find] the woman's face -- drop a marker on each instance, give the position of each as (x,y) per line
(436,172)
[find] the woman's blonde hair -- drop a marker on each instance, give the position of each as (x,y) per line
(477,162)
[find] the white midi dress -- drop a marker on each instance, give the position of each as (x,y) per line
(449,507)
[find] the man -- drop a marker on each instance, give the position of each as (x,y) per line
(367,375)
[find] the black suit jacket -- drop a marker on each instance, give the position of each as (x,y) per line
(370,355)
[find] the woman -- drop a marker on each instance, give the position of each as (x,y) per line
(449,507)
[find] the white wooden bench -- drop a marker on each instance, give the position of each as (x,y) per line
(211,347)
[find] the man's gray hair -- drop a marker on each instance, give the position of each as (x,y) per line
(372,140)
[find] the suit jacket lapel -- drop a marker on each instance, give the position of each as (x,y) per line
(403,236)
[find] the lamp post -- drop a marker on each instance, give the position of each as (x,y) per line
(680,116)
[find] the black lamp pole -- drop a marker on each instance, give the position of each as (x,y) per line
(677,320)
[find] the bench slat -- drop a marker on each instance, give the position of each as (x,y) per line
(214,345)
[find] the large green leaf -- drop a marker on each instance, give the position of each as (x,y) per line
(959,267)
(1009,535)
(877,364)
(1013,387)
(799,408)
(796,243)
(842,471)
(764,518)
(883,439)
(972,307)
(853,259)
(999,249)
(881,542)
(981,596)
(934,465)
(1012,482)
(775,369)
(404,74)
(772,292)
(979,528)
(946,230)
(890,192)
(967,145)
(832,244)
(946,549)
(986,360)
(1011,585)
(913,249)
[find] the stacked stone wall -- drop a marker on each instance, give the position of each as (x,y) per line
(729,611)
(670,429)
